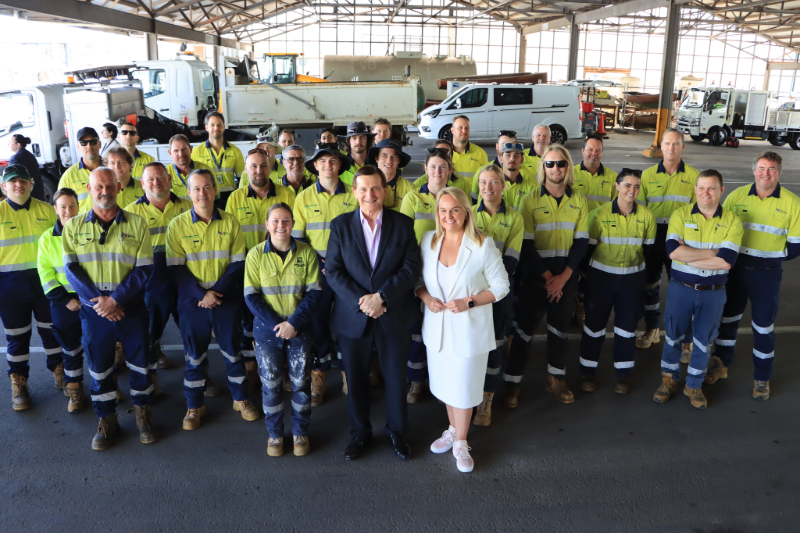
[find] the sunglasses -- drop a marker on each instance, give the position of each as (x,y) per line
(332,146)
(439,151)
(92,142)
(103,236)
(560,164)
(128,132)
(258,151)
(508,133)
(631,172)
(513,146)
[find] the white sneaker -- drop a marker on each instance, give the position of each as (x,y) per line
(445,442)
(463,458)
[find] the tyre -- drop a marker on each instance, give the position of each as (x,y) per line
(557,135)
(445,133)
(698,138)
(776,140)
(50,187)
(794,141)
(717,136)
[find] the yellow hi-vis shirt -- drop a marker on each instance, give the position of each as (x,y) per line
(140,160)
(526,183)
(598,189)
(465,165)
(51,262)
(663,194)
(282,283)
(420,206)
(21,226)
(205,249)
(454,181)
(126,246)
(225,166)
(179,180)
(275,175)
(531,162)
(251,211)
(77,178)
(396,190)
(157,220)
(315,209)
(505,227)
(771,226)
(620,239)
(128,195)
(348,175)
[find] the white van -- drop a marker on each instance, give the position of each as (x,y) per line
(492,107)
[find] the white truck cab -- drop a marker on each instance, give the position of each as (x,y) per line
(183,91)
(492,107)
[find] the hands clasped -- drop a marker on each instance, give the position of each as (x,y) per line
(372,305)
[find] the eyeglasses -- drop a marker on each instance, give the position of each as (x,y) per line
(560,164)
(294,159)
(103,236)
(508,133)
(258,151)
(631,172)
(513,146)
(128,132)
(92,142)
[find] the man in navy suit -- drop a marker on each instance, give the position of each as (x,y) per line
(372,265)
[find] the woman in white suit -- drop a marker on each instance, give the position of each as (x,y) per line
(462,274)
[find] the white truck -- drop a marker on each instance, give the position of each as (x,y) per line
(175,96)
(720,113)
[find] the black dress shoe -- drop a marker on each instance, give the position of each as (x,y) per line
(401,449)
(356,446)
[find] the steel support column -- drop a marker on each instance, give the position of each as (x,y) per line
(523,49)
(574,42)
(151,40)
(668,66)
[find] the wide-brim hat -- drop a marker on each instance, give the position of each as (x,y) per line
(405,159)
(356,128)
(330,149)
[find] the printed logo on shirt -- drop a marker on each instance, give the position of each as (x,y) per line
(223,233)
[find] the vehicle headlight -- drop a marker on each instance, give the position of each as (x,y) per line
(695,122)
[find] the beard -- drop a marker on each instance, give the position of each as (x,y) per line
(259,180)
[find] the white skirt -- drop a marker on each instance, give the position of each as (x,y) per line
(457,381)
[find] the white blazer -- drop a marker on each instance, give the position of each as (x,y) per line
(478,268)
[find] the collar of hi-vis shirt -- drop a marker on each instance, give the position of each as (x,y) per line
(268,246)
(567,191)
(16,207)
(225,145)
(214,216)
(717,213)
(775,194)
(272,192)
(119,218)
(601,170)
(518,180)
(662,170)
(615,207)
(172,198)
(501,210)
(303,185)
(339,188)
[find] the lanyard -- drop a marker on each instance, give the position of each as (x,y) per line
(178,173)
(219,168)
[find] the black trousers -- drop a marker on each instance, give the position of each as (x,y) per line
(393,349)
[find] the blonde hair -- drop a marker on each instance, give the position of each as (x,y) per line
(570,178)
(470,228)
(491,167)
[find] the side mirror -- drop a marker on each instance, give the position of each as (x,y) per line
(458,103)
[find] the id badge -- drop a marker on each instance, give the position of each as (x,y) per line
(220,179)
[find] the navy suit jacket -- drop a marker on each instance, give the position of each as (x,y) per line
(397,269)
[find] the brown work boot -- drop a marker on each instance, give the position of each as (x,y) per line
(156,388)
(483,414)
(696,396)
(248,410)
(275,447)
(580,312)
(287,381)
(716,371)
(193,416)
(147,430)
(511,397)
(119,359)
(106,431)
(76,397)
(301,445)
(253,381)
(588,384)
(761,390)
(20,395)
(686,352)
(415,392)
(374,372)
(164,362)
(648,338)
(667,388)
(318,387)
(120,395)
(212,390)
(58,376)
(623,386)
(344,383)
(559,388)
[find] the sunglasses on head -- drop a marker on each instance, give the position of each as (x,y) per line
(513,146)
(631,172)
(322,146)
(258,151)
(128,132)
(439,151)
(560,164)
(92,142)
(508,133)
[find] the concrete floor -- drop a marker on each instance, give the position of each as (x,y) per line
(604,463)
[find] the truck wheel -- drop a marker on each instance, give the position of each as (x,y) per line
(794,141)
(445,133)
(717,136)
(698,138)
(776,140)
(50,187)
(558,135)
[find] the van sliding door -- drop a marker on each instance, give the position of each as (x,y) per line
(512,110)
